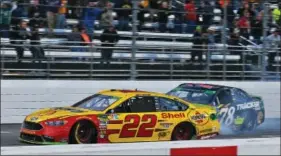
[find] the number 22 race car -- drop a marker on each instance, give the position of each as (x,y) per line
(237,109)
(114,116)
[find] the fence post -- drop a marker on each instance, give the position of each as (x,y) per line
(134,38)
(223,38)
(265,29)
(2,62)
(48,62)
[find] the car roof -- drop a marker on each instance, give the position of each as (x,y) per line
(203,86)
(127,92)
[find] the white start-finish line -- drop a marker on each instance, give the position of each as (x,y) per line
(232,147)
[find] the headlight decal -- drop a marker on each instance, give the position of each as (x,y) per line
(56,123)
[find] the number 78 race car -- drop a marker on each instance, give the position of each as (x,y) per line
(237,109)
(114,116)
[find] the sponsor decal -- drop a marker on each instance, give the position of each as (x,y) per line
(166,125)
(203,137)
(255,105)
(48,112)
(102,133)
(102,120)
(162,135)
(102,136)
(238,120)
(198,117)
(33,118)
(172,115)
(113,117)
(103,126)
(207,130)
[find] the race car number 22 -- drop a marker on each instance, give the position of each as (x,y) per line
(145,129)
(227,115)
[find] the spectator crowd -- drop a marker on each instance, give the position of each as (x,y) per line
(244,18)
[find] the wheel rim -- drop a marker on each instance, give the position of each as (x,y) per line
(84,133)
(182,133)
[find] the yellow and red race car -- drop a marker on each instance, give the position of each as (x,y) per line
(115,116)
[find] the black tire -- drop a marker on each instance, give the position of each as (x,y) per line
(83,132)
(250,122)
(183,131)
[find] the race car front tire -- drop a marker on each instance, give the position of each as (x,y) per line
(250,122)
(83,132)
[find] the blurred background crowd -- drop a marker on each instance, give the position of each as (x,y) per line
(248,20)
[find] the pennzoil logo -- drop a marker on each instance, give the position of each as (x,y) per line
(198,117)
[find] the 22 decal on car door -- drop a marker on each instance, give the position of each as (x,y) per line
(140,127)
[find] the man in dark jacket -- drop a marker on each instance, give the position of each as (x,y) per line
(36,50)
(205,15)
(20,34)
(108,38)
(197,48)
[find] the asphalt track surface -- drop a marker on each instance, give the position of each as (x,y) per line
(270,128)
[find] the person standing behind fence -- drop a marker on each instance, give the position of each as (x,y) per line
(106,17)
(163,16)
(191,16)
(197,48)
(20,34)
(109,38)
(5,20)
(205,15)
(61,20)
(52,9)
(36,49)
(273,42)
(124,15)
(211,43)
(89,16)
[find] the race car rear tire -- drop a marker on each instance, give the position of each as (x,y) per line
(183,131)
(83,132)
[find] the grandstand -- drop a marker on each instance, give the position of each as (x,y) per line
(158,55)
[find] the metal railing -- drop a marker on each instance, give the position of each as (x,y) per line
(151,62)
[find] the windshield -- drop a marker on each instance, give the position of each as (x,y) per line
(200,96)
(97,102)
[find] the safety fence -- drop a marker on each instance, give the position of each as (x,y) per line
(234,147)
(176,60)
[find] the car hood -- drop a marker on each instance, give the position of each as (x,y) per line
(57,112)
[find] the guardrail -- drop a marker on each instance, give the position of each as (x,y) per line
(234,147)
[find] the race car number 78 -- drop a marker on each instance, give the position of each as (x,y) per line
(227,115)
